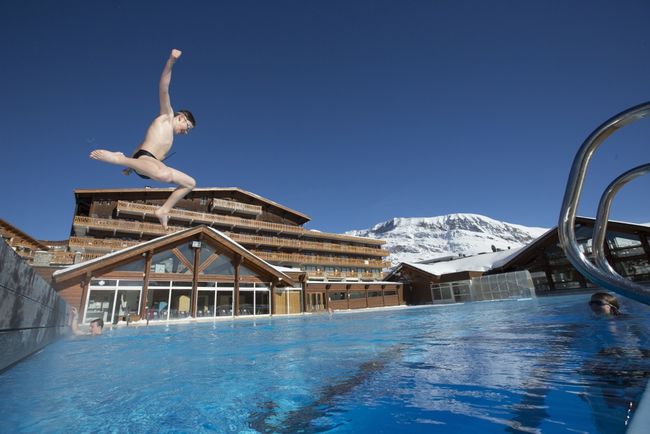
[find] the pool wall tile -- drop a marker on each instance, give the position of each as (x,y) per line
(31,312)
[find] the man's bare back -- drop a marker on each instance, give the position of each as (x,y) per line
(147,159)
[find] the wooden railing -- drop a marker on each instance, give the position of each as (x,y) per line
(306,245)
(232,206)
(337,274)
(141,228)
(103,244)
(231,222)
(67,258)
(293,258)
(124,226)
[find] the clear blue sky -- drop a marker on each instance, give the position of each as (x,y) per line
(352,112)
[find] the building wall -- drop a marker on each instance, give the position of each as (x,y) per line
(31,313)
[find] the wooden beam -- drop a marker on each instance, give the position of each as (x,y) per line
(237,260)
(145,284)
(195,280)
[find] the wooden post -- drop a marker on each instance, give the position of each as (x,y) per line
(85,283)
(237,260)
(271,295)
(145,284)
(195,281)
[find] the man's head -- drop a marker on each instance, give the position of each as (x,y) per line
(183,122)
(604,303)
(96,326)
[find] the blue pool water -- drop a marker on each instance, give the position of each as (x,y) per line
(543,365)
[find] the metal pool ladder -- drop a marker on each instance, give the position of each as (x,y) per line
(601,274)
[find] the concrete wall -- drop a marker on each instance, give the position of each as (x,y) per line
(31,313)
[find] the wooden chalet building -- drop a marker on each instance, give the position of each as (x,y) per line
(253,253)
(627,248)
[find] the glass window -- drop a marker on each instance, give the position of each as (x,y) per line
(224,303)
(246,300)
(221,266)
(158,303)
(180,306)
(338,295)
(374,294)
(262,303)
(245,271)
(357,294)
(206,252)
(137,265)
(103,283)
(128,303)
(205,304)
(390,292)
(187,251)
(167,262)
(632,268)
(617,240)
(130,283)
(100,305)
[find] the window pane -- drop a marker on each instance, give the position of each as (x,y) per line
(221,266)
(137,265)
(100,305)
(224,303)
(205,304)
(246,302)
(262,303)
(167,262)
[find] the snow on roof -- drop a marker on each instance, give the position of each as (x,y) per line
(481,262)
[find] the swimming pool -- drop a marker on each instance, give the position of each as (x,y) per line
(540,365)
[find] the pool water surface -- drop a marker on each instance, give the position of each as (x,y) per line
(544,365)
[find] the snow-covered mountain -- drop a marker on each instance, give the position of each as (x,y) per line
(419,238)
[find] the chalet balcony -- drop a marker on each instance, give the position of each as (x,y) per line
(292,258)
(365,275)
(235,207)
(99,244)
(68,258)
(80,224)
(258,240)
(230,222)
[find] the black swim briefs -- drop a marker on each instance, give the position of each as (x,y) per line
(139,154)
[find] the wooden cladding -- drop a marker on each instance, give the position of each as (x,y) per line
(232,222)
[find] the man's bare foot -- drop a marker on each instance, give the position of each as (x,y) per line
(163,217)
(107,156)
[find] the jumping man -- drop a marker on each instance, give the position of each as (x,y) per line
(147,161)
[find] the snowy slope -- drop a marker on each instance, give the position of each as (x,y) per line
(421,238)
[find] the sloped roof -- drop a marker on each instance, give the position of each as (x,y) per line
(11,228)
(306,218)
(103,261)
(482,263)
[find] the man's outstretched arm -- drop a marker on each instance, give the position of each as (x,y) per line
(165,80)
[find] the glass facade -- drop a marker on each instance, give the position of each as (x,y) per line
(112,300)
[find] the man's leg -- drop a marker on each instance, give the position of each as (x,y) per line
(185,184)
(155,170)
(144,165)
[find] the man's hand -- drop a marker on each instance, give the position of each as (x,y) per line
(176,54)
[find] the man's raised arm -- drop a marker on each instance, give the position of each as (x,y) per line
(165,79)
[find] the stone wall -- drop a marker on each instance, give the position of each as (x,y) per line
(31,313)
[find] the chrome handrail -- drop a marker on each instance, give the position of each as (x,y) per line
(600,227)
(566,226)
